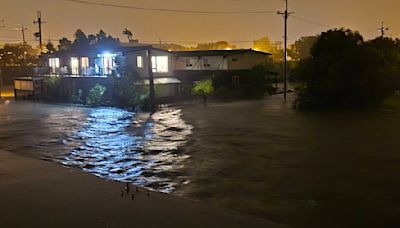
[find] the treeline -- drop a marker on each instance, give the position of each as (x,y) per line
(344,70)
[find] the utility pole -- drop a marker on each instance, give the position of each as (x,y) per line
(39,22)
(23,34)
(24,41)
(151,81)
(382,29)
(286,15)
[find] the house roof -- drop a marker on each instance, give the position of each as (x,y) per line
(216,52)
(93,51)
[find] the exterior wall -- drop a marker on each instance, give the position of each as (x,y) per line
(131,60)
(245,61)
(201,63)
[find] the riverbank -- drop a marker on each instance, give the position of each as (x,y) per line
(34,193)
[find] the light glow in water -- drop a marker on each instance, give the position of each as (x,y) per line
(112,144)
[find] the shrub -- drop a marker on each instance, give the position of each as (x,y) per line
(95,96)
(53,85)
(203,87)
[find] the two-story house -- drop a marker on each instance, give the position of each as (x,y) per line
(192,66)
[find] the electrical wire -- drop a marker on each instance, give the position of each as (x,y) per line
(167,10)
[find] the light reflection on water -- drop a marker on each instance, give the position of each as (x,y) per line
(145,154)
(108,142)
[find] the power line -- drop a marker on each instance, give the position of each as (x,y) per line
(312,22)
(168,10)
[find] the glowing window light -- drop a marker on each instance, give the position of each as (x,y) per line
(74,65)
(53,64)
(139,61)
(84,62)
(159,64)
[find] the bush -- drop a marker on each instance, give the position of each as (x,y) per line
(130,91)
(203,87)
(53,86)
(95,96)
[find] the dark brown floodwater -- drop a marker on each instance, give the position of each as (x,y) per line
(307,169)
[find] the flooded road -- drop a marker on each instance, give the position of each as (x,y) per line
(306,169)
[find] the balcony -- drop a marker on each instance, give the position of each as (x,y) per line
(74,72)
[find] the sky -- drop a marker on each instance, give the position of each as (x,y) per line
(310,17)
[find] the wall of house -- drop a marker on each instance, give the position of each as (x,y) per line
(246,60)
(201,63)
(131,60)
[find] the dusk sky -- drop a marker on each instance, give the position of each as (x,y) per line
(312,16)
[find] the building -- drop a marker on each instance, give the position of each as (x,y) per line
(174,72)
(79,70)
(193,66)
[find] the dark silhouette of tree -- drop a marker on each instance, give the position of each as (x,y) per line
(64,44)
(128,34)
(345,71)
(301,49)
(50,47)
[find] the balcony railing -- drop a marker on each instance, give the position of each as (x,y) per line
(78,72)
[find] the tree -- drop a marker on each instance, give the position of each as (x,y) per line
(301,49)
(16,55)
(128,34)
(64,44)
(345,71)
(50,47)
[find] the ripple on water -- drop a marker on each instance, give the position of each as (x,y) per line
(113,144)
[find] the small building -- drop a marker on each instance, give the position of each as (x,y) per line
(193,66)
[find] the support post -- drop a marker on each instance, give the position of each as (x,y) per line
(151,81)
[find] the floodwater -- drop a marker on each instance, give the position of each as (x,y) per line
(306,169)
(108,142)
(331,169)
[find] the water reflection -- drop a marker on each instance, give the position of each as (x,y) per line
(113,144)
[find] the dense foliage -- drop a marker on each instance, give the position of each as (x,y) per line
(129,90)
(346,71)
(203,87)
(95,97)
(254,83)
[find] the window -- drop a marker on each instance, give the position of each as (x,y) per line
(84,62)
(188,63)
(139,61)
(235,60)
(85,65)
(54,62)
(205,63)
(159,64)
(74,65)
(235,80)
(106,63)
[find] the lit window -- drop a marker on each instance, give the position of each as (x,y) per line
(139,61)
(74,65)
(84,62)
(54,62)
(159,64)
(85,65)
